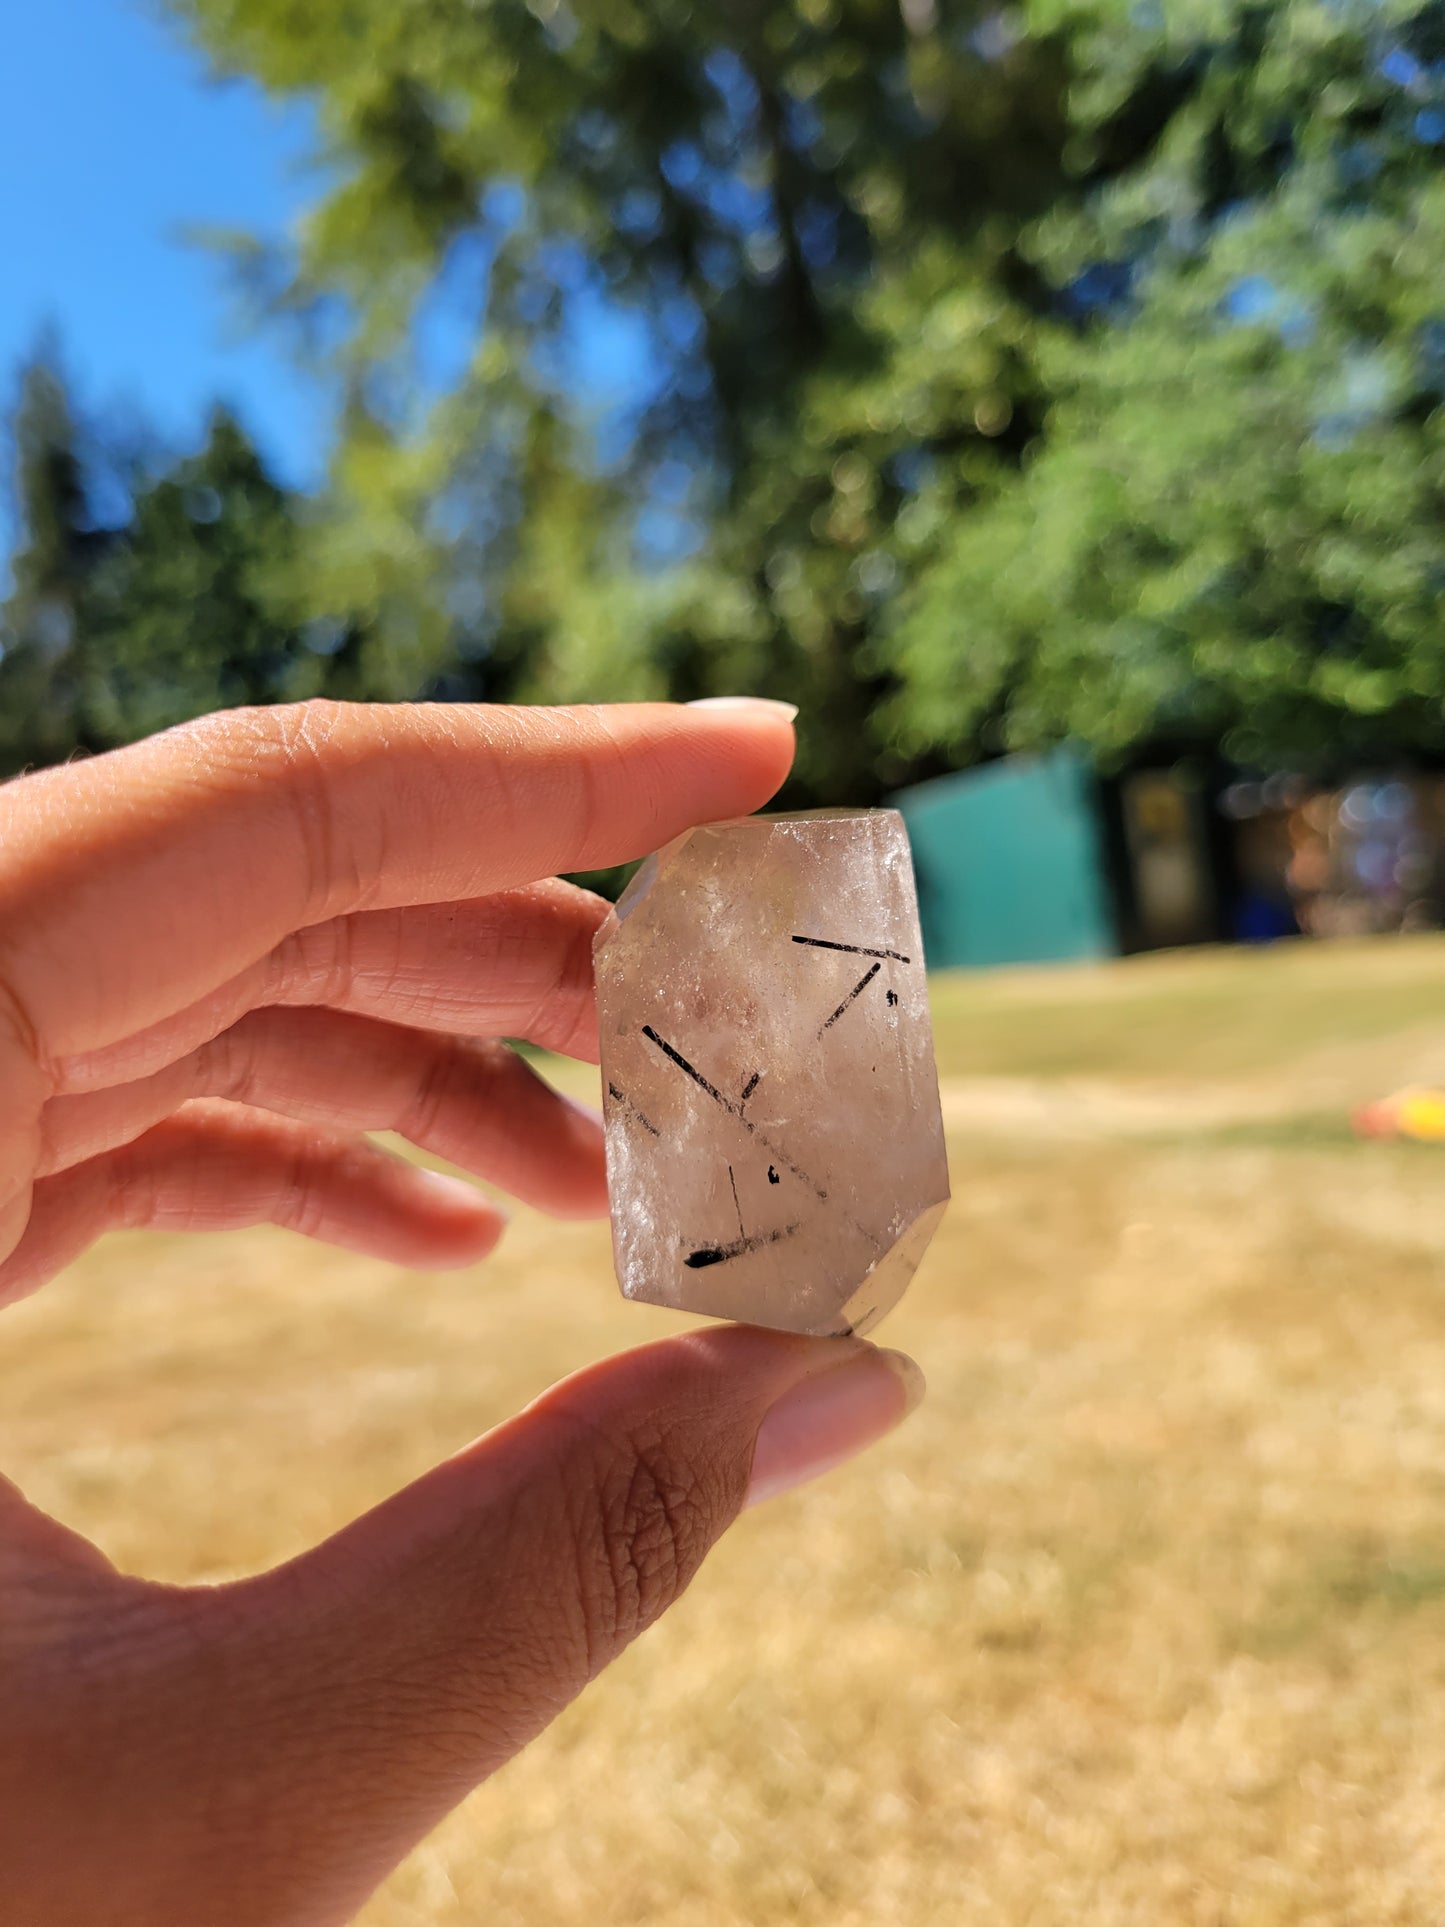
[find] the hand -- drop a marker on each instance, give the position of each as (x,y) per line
(224,955)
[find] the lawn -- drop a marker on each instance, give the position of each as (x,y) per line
(1139,1620)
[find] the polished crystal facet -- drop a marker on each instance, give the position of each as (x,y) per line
(774,1142)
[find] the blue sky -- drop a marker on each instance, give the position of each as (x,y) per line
(112,140)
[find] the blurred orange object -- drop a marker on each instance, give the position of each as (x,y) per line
(1415,1113)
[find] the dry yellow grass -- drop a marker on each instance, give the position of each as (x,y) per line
(1139,1620)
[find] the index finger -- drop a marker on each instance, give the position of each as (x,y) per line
(136,882)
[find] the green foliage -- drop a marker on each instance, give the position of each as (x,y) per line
(214,590)
(803,217)
(919,478)
(42,664)
(1231,529)
(970,374)
(185,615)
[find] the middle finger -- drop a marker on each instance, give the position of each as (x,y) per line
(472,1102)
(518,964)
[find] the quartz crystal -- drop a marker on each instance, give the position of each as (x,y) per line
(774,1141)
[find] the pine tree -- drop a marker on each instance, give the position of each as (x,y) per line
(45,621)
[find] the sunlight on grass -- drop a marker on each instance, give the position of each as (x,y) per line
(1187,1013)
(1137,1621)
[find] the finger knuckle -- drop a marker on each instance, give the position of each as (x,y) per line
(132,1188)
(330,860)
(381,962)
(26,1078)
(316,964)
(225,1067)
(288,751)
(434,1088)
(18,1031)
(543,939)
(573,1002)
(653,1513)
(617,765)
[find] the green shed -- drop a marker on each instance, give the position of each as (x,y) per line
(1011,862)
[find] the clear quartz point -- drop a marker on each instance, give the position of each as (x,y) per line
(775,1146)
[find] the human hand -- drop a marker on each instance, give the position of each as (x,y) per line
(225,954)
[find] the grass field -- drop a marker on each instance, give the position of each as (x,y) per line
(1141,1619)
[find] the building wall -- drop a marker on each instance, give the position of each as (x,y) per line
(1010,863)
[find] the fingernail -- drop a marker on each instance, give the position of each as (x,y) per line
(831,1417)
(786,710)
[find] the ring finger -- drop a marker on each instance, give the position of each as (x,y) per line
(217,1167)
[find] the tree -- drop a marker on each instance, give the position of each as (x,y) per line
(977,374)
(44,619)
(797,223)
(188,613)
(207,587)
(1231,533)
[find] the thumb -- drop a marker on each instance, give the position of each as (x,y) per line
(403,1660)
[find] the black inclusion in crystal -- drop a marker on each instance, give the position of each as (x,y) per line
(853,949)
(862,984)
(739,1248)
